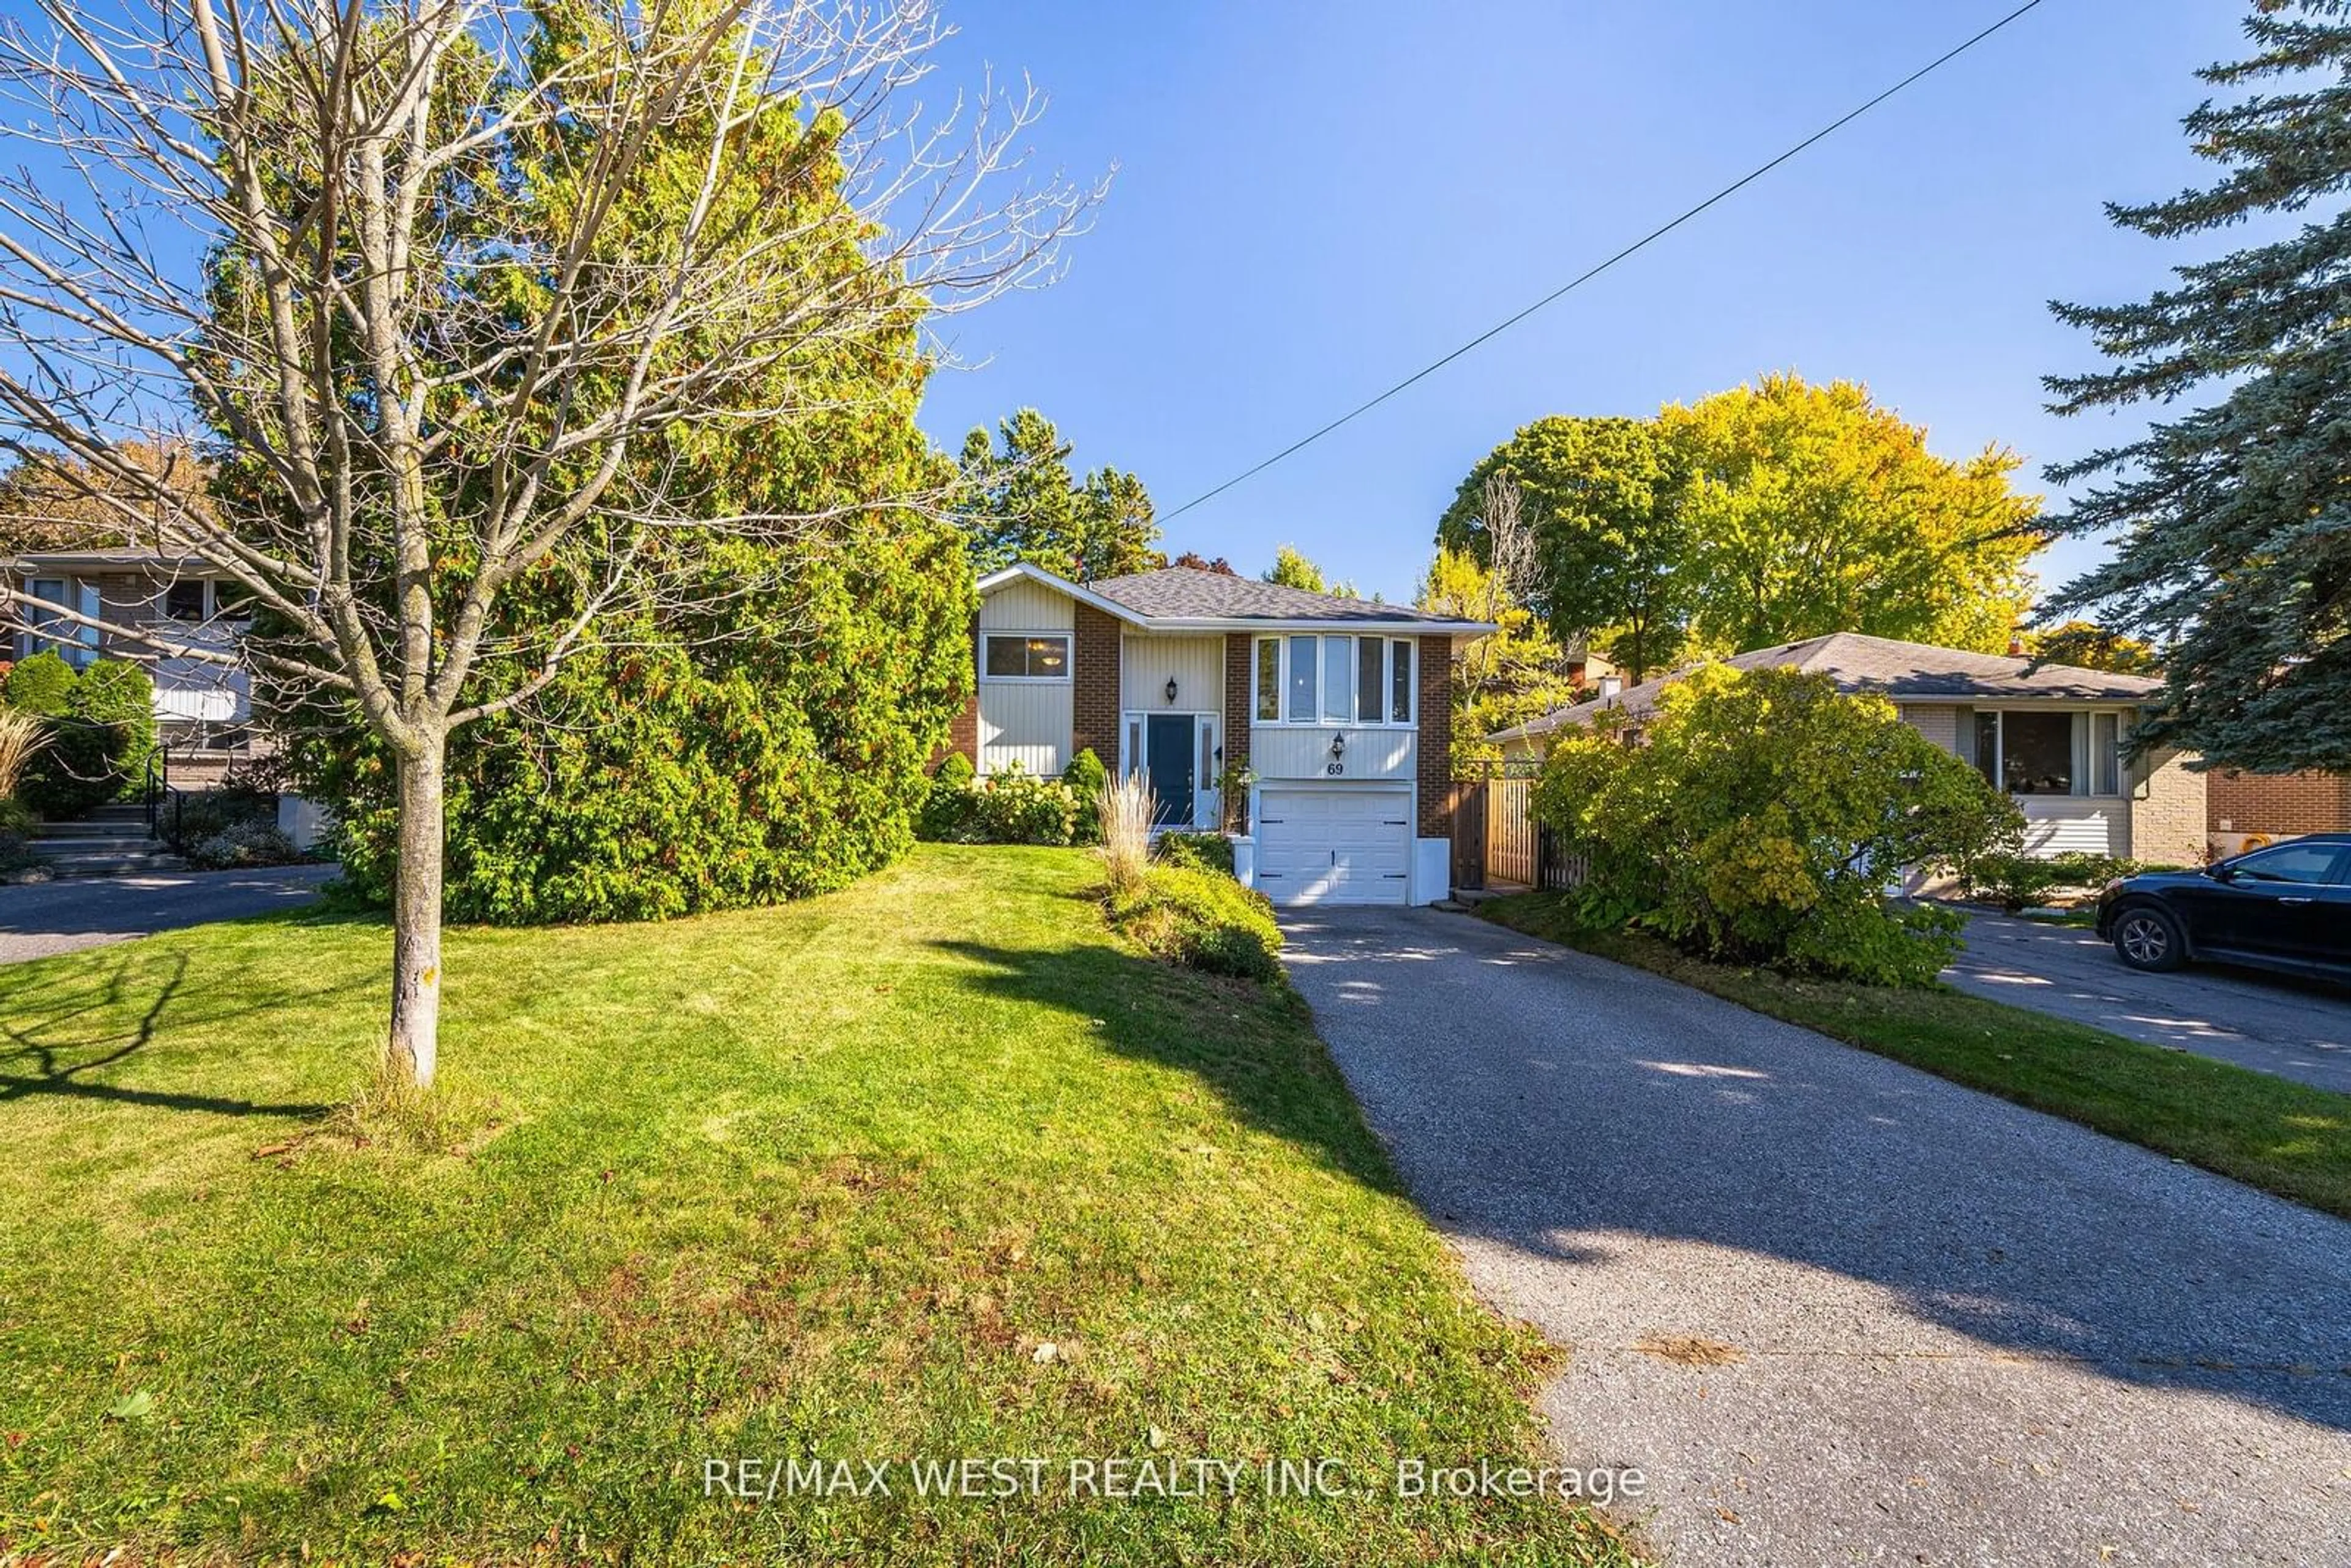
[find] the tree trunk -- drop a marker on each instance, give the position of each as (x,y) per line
(416,916)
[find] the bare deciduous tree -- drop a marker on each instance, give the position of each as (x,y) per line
(445,278)
(1511,544)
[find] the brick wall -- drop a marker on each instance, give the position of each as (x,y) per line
(1093,682)
(2168,827)
(2277,803)
(963,730)
(1237,716)
(1435,762)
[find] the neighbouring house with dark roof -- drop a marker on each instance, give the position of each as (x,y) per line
(1333,713)
(2051,736)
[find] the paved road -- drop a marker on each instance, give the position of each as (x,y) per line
(89,912)
(1947,1330)
(2295,1029)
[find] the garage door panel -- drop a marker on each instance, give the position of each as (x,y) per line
(1334,844)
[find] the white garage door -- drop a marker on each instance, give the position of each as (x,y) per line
(1333,844)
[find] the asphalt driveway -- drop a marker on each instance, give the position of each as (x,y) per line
(90,912)
(1836,1310)
(2296,1029)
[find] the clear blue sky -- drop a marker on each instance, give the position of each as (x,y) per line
(1314,199)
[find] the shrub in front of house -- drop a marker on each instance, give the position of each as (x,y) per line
(1085,775)
(1201,919)
(200,814)
(1197,852)
(2015,881)
(99,733)
(1016,807)
(671,770)
(1012,806)
(42,684)
(239,844)
(947,801)
(1760,819)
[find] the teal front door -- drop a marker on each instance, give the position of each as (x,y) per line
(1168,749)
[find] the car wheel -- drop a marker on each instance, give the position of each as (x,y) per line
(2148,938)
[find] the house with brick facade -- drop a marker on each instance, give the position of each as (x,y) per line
(2248,810)
(1332,715)
(2054,736)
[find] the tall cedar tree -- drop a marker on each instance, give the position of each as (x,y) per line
(2236,553)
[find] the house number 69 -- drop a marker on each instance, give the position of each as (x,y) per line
(1334,768)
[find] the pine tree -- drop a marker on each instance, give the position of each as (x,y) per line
(1022,503)
(2236,549)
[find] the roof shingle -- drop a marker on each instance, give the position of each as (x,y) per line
(1188,593)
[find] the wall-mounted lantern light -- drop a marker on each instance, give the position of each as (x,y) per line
(1170,690)
(1338,746)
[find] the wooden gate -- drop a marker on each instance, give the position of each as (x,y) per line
(1499,846)
(1510,857)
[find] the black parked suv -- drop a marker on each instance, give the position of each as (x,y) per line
(2285,907)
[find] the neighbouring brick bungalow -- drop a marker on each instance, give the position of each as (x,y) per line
(1340,709)
(2248,810)
(2053,736)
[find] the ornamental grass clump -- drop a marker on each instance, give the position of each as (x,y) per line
(22,736)
(1125,807)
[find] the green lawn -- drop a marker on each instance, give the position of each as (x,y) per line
(2270,1133)
(816,1181)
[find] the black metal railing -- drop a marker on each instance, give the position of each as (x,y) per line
(164,800)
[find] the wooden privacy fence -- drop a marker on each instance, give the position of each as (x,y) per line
(1498,845)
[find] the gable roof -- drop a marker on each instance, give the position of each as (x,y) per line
(1186,598)
(1903,672)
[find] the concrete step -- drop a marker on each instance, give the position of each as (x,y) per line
(105,862)
(88,844)
(94,827)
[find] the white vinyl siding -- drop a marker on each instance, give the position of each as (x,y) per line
(1027,722)
(1196,665)
(1025,606)
(2066,824)
(1300,752)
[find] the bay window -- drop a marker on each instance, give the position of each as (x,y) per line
(2038,752)
(1333,679)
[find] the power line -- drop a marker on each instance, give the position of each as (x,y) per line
(1929,68)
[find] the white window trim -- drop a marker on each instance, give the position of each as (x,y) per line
(2088,717)
(1069,656)
(1281,641)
